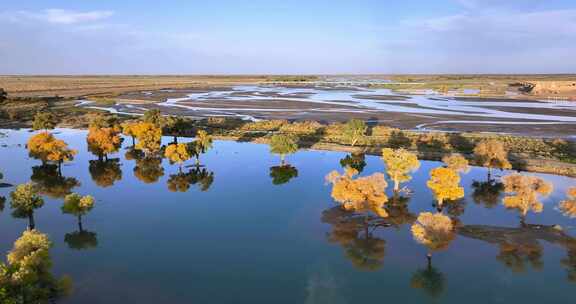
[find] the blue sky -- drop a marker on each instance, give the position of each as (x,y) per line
(287,37)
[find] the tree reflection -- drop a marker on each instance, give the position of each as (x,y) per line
(283,174)
(355,161)
(51,183)
(27,277)
(398,212)
(570,264)
(430,280)
(105,173)
(355,233)
(182,181)
(520,247)
(487,193)
(148,169)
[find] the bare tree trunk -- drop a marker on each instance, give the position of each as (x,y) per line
(31,223)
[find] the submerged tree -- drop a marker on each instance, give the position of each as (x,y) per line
(149,137)
(356,161)
(282,174)
(27,277)
(492,154)
(456,162)
(399,164)
(78,205)
(24,200)
(129,129)
(105,173)
(177,153)
(445,184)
(48,181)
(45,147)
(435,231)
(283,144)
(201,145)
(524,192)
(359,194)
(44,121)
(103,139)
(568,206)
(354,130)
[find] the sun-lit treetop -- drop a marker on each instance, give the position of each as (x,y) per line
(433,230)
(399,164)
(456,162)
(445,184)
(359,194)
(491,153)
(44,121)
(354,130)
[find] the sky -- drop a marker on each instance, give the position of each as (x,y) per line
(287,37)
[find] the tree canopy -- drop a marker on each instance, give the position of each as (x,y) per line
(445,184)
(492,154)
(104,141)
(359,194)
(46,147)
(399,164)
(433,230)
(283,144)
(149,137)
(354,130)
(568,206)
(456,162)
(177,153)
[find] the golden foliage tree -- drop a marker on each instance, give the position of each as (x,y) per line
(26,277)
(47,148)
(104,141)
(433,230)
(456,162)
(399,164)
(568,206)
(445,184)
(492,154)
(148,136)
(129,129)
(177,153)
(24,200)
(359,194)
(524,192)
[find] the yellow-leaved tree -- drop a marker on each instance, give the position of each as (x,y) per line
(524,193)
(177,153)
(399,164)
(433,230)
(456,162)
(47,148)
(445,184)
(359,194)
(104,141)
(129,129)
(148,136)
(492,154)
(568,206)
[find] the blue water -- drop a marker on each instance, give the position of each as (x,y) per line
(246,240)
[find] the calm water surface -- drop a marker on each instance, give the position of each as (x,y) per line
(239,236)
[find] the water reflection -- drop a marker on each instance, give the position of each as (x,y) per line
(182,181)
(355,233)
(49,181)
(79,206)
(355,161)
(487,193)
(105,173)
(430,280)
(148,169)
(283,174)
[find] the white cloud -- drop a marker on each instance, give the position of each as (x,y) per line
(60,16)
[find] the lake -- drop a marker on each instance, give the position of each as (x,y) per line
(237,235)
